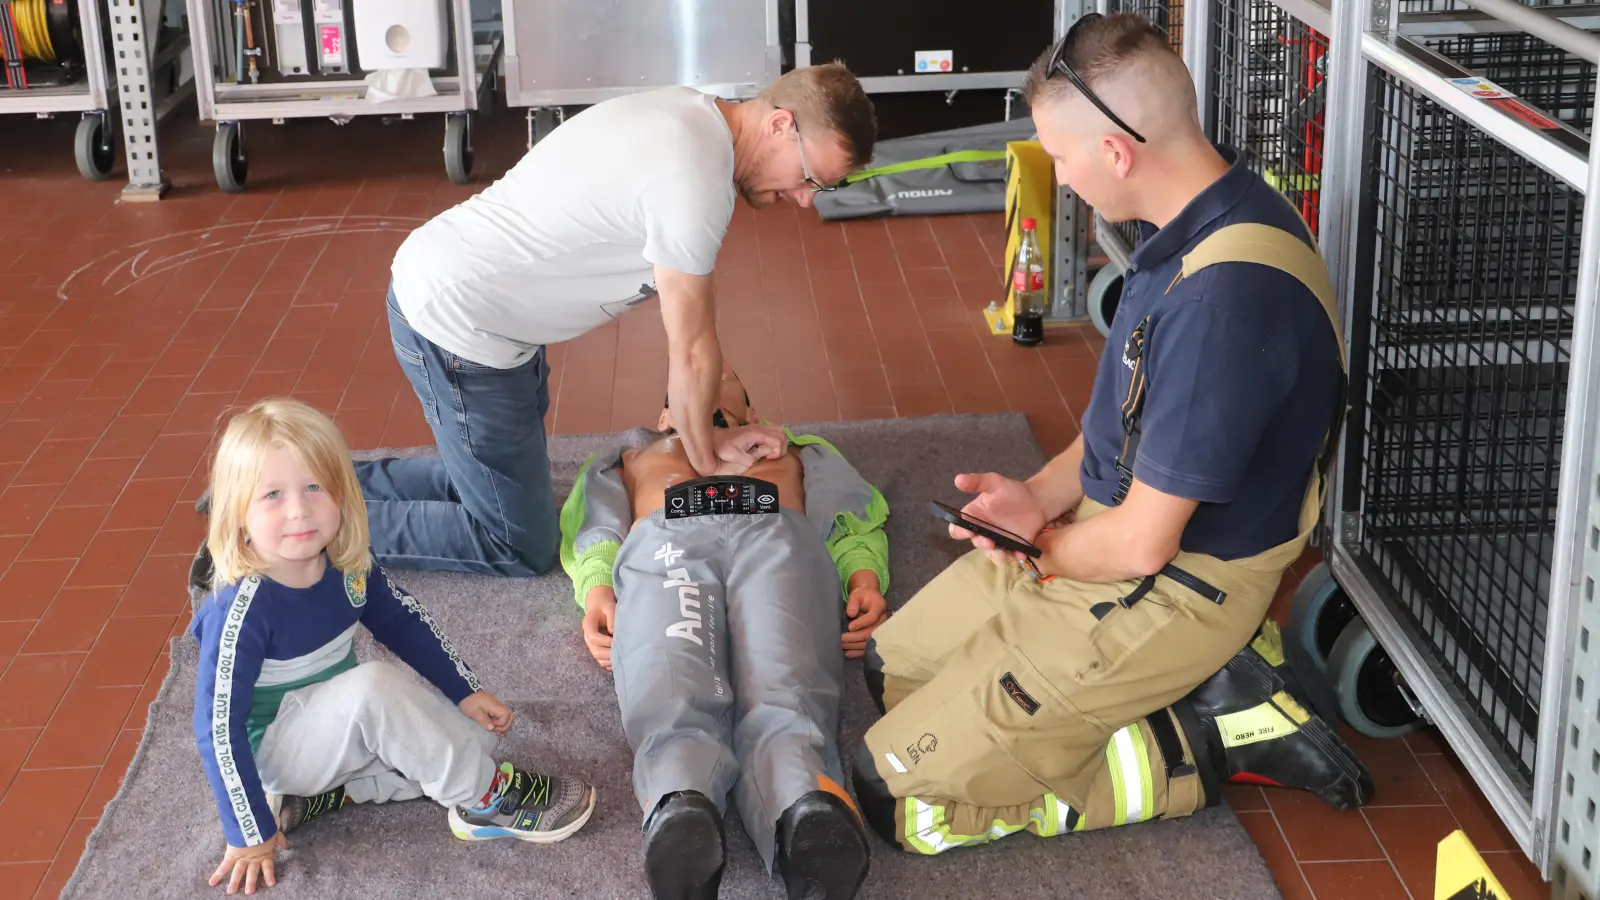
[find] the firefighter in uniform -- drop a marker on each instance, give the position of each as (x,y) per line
(1130,670)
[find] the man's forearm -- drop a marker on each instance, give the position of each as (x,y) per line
(1059,485)
(1131,540)
(693,375)
(694,361)
(1101,549)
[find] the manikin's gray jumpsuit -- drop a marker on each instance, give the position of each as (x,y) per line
(726,656)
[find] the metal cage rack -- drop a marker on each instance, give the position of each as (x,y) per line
(1466,363)
(65,51)
(1462,537)
(1267,92)
(1548,78)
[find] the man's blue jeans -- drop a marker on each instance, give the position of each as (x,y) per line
(485,504)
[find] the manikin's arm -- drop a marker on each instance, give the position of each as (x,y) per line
(594,520)
(850,511)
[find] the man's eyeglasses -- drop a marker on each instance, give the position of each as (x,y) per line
(1058,65)
(816,186)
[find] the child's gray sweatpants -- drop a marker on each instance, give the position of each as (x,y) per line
(382,734)
(727,661)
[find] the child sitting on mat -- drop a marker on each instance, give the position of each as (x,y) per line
(288,725)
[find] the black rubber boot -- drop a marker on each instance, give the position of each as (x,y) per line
(684,848)
(877,804)
(822,848)
(1278,741)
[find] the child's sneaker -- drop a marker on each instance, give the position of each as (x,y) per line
(540,809)
(291,812)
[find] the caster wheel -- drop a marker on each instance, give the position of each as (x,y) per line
(1105,292)
(458,148)
(1371,697)
(227,158)
(92,146)
(545,121)
(1317,616)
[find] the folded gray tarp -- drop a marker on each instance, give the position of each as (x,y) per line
(962,170)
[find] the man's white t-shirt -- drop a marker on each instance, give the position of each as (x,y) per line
(567,239)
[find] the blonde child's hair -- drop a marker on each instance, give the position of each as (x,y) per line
(314,438)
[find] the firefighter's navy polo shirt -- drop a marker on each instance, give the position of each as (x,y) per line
(1242,370)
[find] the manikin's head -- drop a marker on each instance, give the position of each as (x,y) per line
(806,131)
(1120,168)
(733,405)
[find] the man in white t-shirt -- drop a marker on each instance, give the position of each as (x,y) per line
(627,200)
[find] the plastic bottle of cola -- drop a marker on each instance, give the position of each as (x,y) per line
(1027,288)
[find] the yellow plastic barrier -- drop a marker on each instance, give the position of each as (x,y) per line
(1461,873)
(1030,193)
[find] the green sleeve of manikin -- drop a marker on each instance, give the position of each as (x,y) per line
(855,510)
(859,542)
(594,520)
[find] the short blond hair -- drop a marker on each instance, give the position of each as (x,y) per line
(317,441)
(1102,49)
(827,98)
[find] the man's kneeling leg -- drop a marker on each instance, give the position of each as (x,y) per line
(1242,725)
(1150,770)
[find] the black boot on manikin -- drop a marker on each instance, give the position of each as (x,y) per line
(684,848)
(822,848)
(1255,731)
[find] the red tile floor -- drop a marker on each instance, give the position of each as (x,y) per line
(128,330)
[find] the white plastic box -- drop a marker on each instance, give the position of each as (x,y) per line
(401,34)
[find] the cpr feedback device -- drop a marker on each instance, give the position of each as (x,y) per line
(1002,538)
(727,495)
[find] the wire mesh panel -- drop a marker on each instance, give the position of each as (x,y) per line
(1547,77)
(1165,15)
(1268,93)
(1433,6)
(1475,270)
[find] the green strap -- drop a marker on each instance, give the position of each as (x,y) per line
(927,162)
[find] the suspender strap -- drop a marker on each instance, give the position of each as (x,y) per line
(1205,755)
(1249,242)
(1132,411)
(1265,245)
(1166,733)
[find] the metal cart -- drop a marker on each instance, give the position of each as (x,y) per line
(64,48)
(246,71)
(560,55)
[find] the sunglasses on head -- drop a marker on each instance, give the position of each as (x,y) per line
(1059,65)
